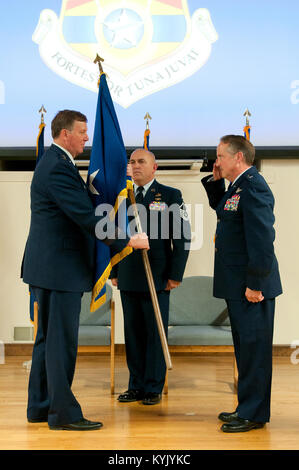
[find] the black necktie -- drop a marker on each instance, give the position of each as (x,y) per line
(139,195)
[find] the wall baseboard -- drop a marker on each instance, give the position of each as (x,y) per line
(25,349)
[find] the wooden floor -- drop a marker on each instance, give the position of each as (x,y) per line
(199,388)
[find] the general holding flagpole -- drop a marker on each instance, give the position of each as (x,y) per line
(147,266)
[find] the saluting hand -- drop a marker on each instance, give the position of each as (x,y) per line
(216,172)
(129,170)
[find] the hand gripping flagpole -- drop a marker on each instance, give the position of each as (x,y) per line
(147,267)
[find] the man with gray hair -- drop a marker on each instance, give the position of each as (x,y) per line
(245,274)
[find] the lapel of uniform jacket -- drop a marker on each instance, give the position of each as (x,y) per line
(248,174)
(224,198)
(61,153)
(237,186)
(73,167)
(148,198)
(151,193)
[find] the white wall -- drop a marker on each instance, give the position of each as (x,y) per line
(14,223)
(282,177)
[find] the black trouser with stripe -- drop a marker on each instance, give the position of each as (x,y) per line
(54,358)
(144,352)
(252,330)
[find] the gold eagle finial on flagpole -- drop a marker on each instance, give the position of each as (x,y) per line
(98,60)
(247,114)
(42,111)
(147,117)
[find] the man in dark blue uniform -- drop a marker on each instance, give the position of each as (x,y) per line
(164,218)
(245,274)
(58,264)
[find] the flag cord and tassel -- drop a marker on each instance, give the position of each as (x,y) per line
(39,152)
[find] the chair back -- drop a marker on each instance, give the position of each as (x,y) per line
(192,303)
(102,316)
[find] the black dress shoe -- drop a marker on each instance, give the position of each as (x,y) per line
(241,425)
(151,398)
(228,417)
(82,425)
(130,395)
(38,420)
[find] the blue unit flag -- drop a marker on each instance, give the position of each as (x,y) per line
(40,148)
(108,183)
